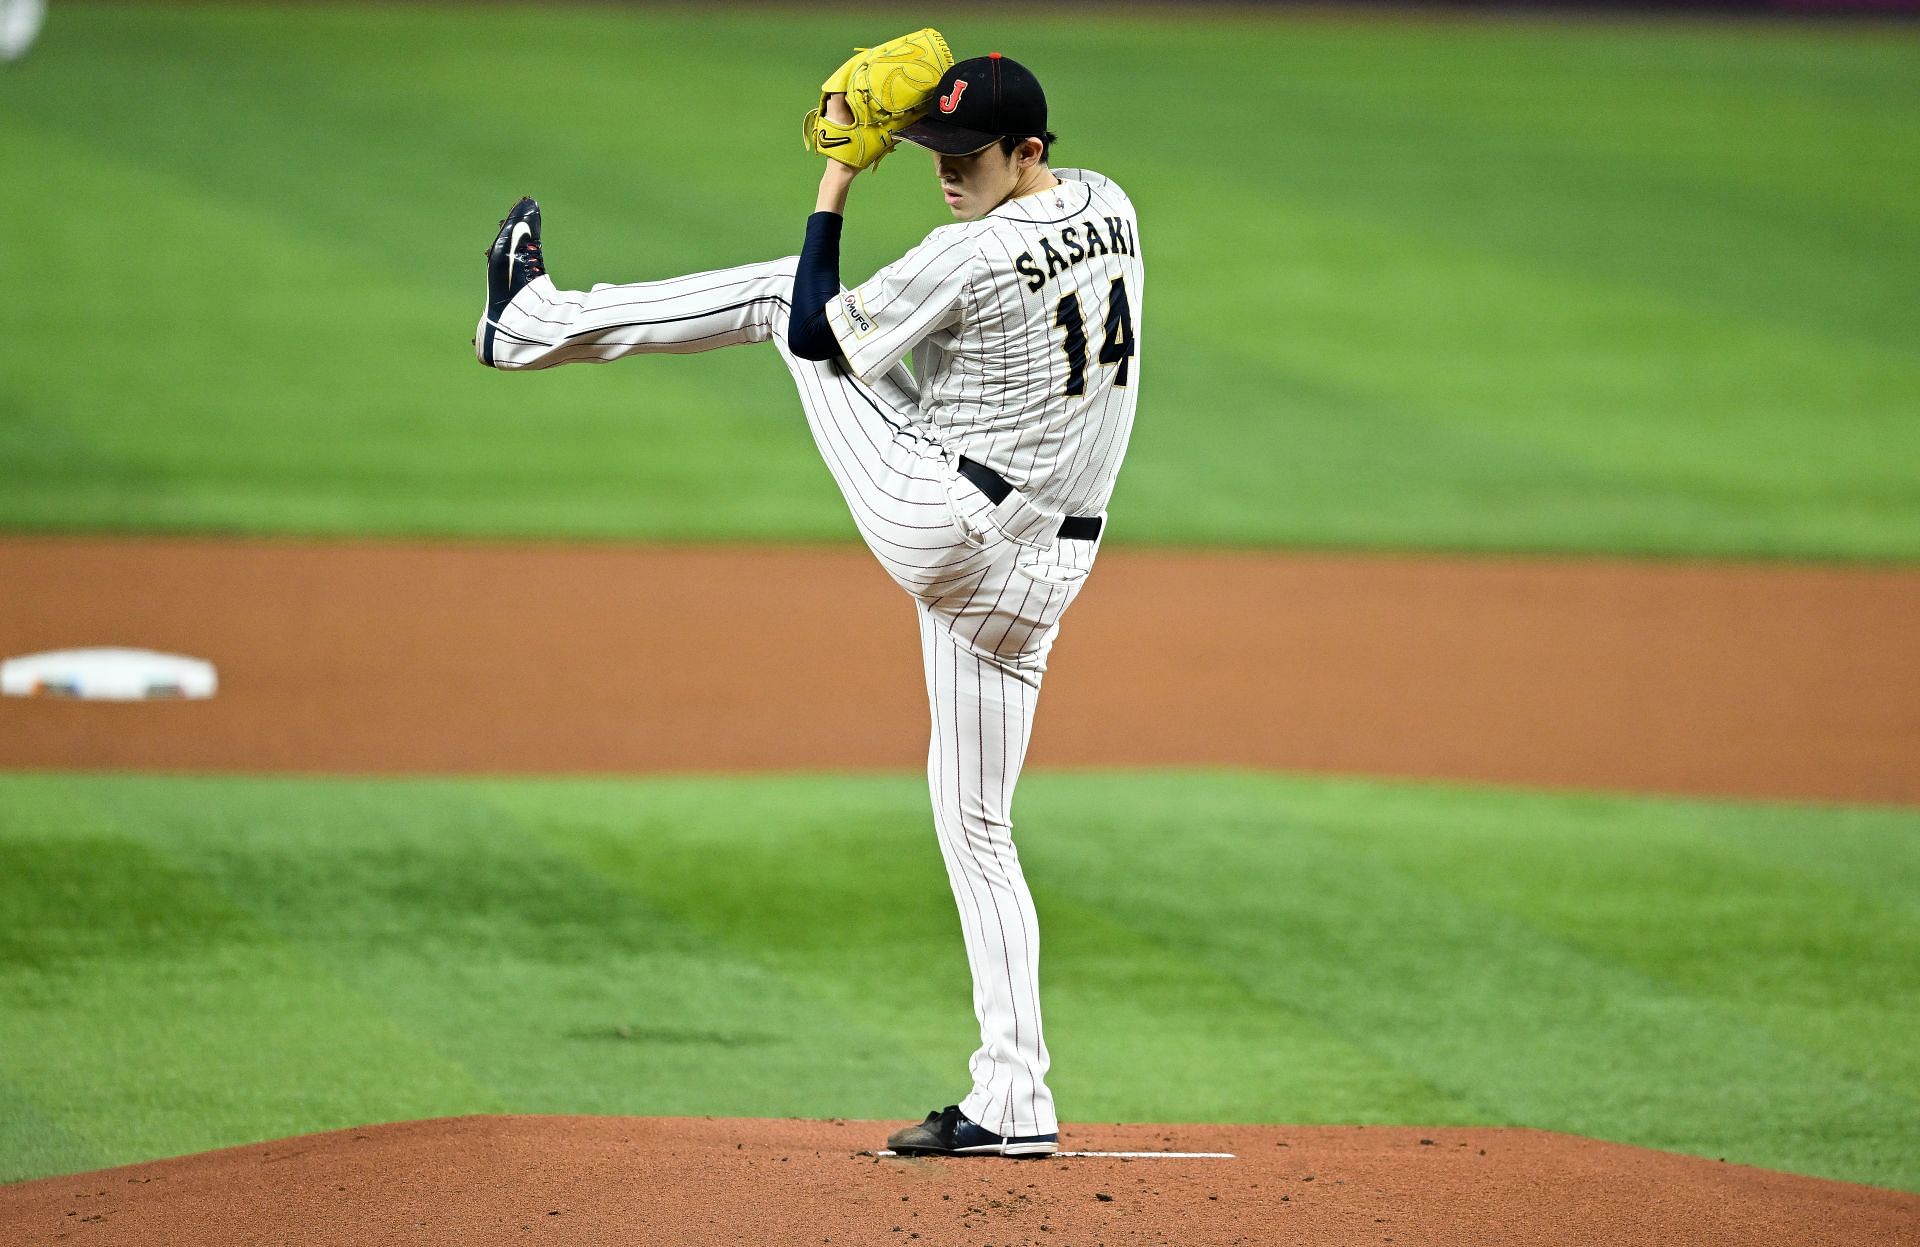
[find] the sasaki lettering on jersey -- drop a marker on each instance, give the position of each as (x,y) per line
(857,314)
(1078,242)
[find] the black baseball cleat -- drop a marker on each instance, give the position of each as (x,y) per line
(512,262)
(949,1133)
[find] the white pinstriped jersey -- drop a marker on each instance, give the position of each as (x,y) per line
(1024,331)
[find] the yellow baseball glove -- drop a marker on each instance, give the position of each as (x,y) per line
(887,89)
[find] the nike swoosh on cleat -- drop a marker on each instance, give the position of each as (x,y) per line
(513,245)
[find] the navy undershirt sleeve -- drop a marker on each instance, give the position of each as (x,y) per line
(814,282)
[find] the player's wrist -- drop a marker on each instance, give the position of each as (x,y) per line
(834,182)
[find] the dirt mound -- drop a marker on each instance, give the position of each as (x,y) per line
(387,657)
(585,1181)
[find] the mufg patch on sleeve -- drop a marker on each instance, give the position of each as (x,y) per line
(856,314)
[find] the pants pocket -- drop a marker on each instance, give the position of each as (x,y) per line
(969,510)
(1064,564)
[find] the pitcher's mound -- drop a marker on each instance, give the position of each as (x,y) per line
(472,1181)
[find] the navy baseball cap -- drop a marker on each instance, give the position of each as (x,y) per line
(978,102)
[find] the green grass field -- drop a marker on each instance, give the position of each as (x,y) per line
(192,963)
(1430,284)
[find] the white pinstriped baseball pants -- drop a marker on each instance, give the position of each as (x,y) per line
(990,583)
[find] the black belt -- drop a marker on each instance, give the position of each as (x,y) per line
(995,487)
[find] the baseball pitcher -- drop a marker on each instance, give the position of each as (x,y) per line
(973,401)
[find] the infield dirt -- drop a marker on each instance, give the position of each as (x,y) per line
(1737,680)
(590,1181)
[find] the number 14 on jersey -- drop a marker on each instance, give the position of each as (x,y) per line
(1116,349)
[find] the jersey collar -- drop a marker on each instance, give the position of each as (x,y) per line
(1065,202)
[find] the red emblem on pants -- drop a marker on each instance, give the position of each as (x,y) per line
(951,100)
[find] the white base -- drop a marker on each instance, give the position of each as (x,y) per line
(108,675)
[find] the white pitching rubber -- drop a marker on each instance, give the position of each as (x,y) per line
(1122,1155)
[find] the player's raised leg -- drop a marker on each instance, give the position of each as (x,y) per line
(530,323)
(893,480)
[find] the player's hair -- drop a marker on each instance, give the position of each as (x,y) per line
(1047,140)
